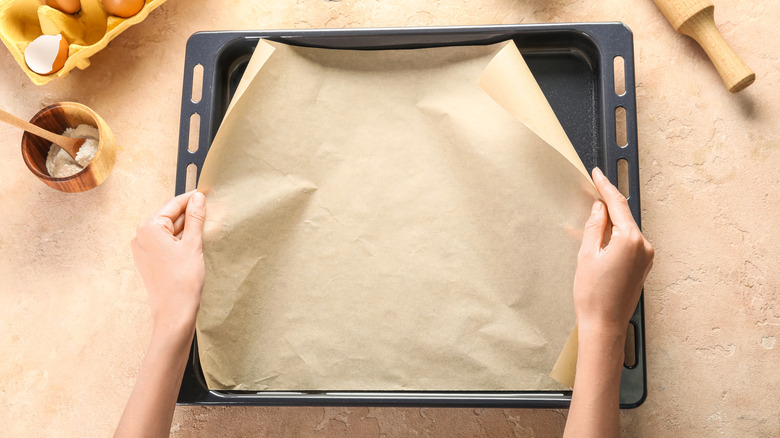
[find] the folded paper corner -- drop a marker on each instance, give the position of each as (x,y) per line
(510,83)
(565,368)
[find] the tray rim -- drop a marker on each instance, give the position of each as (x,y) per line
(610,38)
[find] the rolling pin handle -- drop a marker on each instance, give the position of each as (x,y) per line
(696,18)
(732,69)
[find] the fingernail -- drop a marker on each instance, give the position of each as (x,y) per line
(198,199)
(597,206)
(598,172)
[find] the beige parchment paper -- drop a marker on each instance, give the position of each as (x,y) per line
(377,221)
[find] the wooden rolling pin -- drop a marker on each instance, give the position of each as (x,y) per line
(696,19)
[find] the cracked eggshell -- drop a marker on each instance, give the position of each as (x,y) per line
(46,54)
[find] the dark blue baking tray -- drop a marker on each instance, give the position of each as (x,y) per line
(573,64)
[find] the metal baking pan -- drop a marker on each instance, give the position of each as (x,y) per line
(573,64)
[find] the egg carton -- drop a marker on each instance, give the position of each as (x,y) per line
(87,31)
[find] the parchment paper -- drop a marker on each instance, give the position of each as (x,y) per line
(376,221)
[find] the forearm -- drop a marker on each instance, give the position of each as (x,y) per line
(612,265)
(595,401)
(149,411)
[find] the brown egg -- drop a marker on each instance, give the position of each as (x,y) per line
(46,54)
(66,6)
(123,8)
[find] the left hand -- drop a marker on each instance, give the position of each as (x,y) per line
(172,267)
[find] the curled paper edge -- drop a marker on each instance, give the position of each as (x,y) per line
(508,80)
(262,53)
(260,56)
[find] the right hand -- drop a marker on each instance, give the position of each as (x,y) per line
(609,278)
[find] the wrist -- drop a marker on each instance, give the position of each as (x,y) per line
(602,328)
(603,339)
(180,328)
(600,356)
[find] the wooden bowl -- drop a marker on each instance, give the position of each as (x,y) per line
(57,118)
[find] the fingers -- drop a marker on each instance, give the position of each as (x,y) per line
(593,237)
(175,207)
(617,205)
(195,217)
(178,226)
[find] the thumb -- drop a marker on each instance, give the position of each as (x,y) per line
(195,216)
(593,236)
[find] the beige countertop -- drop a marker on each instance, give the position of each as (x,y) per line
(74,318)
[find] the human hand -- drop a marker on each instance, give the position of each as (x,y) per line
(609,278)
(172,267)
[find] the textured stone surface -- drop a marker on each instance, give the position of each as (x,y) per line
(74,319)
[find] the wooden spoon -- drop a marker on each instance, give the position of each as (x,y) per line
(71,145)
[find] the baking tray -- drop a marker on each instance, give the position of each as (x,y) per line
(573,64)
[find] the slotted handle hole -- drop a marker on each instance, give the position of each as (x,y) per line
(621,135)
(194,138)
(197,83)
(619,68)
(192,177)
(622,172)
(630,346)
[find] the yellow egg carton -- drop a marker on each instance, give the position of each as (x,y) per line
(88,31)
